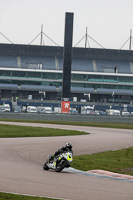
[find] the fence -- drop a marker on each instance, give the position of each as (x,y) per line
(67,117)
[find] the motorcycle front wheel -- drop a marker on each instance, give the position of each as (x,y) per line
(45,167)
(60,166)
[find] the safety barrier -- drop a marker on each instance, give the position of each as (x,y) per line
(67,117)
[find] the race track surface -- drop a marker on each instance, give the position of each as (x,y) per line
(21,161)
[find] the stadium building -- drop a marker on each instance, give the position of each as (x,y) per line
(98,75)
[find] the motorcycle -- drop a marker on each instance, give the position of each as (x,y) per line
(59,162)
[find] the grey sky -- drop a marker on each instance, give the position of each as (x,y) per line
(108,21)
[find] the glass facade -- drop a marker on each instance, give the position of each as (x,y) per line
(77,80)
(98,84)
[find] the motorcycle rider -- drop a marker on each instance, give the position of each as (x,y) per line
(67,147)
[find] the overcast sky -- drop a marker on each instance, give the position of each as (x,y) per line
(108,21)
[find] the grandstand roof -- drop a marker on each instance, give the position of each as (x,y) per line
(91,53)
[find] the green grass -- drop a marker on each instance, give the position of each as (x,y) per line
(25,131)
(119,161)
(94,124)
(7,196)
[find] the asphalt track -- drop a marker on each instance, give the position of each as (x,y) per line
(21,161)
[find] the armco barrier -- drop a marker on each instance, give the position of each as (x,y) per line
(67,117)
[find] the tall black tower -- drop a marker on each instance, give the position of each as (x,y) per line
(67,57)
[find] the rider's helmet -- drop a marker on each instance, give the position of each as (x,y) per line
(69,145)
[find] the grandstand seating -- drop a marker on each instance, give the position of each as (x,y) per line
(115,91)
(109,66)
(82,65)
(105,91)
(38,62)
(49,63)
(60,62)
(122,91)
(81,90)
(8,86)
(8,61)
(38,87)
(56,63)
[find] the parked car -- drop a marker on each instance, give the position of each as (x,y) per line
(31,109)
(57,109)
(5,108)
(101,112)
(17,109)
(97,112)
(113,112)
(73,111)
(41,109)
(46,110)
(126,114)
(1,108)
(87,110)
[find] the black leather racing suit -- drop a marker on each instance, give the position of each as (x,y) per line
(62,150)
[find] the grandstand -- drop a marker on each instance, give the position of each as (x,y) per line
(97,74)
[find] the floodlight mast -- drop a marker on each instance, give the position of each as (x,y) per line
(130,39)
(130,43)
(86,36)
(86,39)
(41,41)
